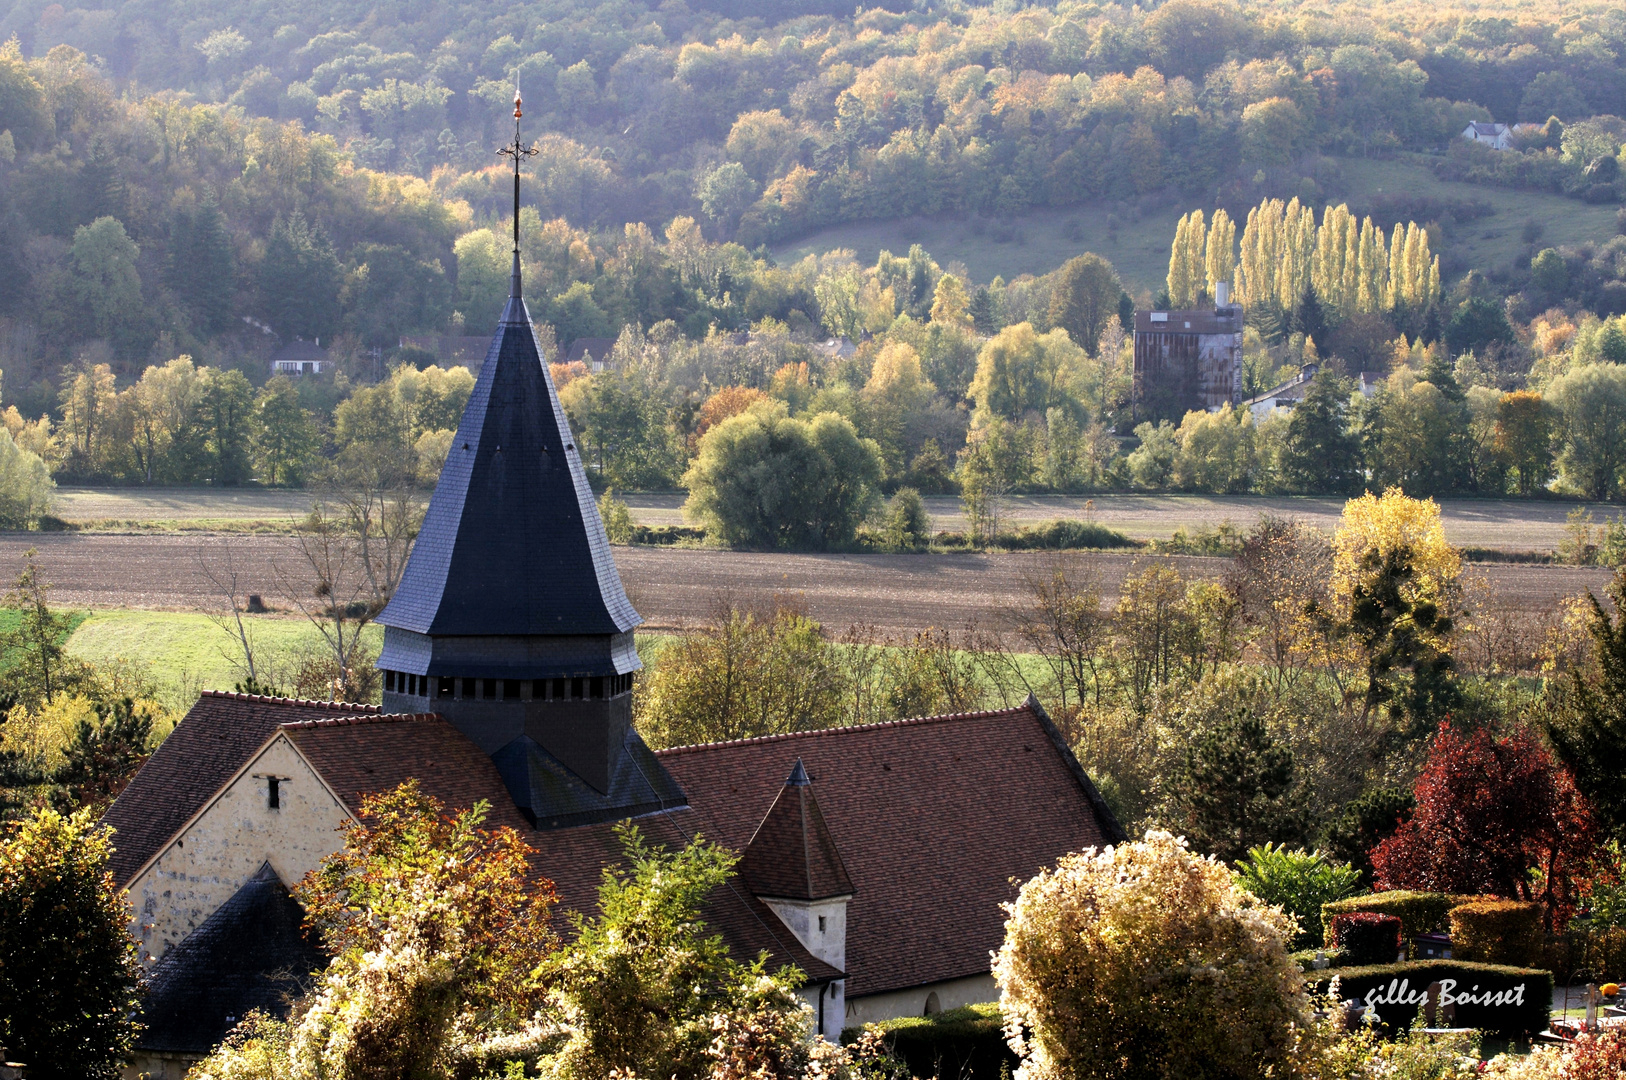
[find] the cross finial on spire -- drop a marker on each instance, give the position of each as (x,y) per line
(518,151)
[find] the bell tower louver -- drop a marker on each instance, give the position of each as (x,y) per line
(510,619)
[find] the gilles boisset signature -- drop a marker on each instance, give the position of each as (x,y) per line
(1399,992)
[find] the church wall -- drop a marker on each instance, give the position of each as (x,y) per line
(227,844)
(951,994)
(821,927)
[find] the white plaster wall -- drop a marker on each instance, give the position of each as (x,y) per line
(235,835)
(952,994)
(829,944)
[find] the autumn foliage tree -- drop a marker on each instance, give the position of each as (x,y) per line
(69,980)
(436,925)
(1495,813)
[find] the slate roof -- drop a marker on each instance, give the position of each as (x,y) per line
(588,349)
(933,818)
(299,349)
(210,743)
(250,954)
(512,543)
(791,856)
(552,796)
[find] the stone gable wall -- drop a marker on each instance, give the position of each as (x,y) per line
(236,834)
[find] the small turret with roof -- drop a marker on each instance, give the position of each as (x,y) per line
(510,619)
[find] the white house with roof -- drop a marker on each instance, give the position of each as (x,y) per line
(1486,133)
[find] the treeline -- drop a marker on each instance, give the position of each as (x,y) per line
(981,390)
(182,423)
(260,185)
(781,118)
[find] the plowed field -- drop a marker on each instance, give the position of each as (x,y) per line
(671,587)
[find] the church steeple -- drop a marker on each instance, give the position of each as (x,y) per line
(510,618)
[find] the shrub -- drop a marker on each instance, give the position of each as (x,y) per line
(764,480)
(1418,912)
(1369,937)
(68,972)
(907,525)
(967,1042)
(1146,945)
(1064,535)
(1496,932)
(1298,882)
(26,487)
(1397,991)
(618,526)
(1603,1054)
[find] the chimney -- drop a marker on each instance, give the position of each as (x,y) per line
(1222,294)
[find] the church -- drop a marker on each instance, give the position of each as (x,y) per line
(873,858)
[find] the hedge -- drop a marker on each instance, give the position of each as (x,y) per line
(1497,932)
(1370,937)
(1418,912)
(967,1043)
(1398,991)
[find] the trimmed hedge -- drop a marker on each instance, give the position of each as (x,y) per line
(1497,932)
(1418,912)
(1370,937)
(967,1043)
(1398,991)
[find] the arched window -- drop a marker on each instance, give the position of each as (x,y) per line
(933,1006)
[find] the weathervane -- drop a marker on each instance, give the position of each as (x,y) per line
(518,151)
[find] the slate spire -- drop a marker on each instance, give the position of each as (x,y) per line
(792,855)
(510,618)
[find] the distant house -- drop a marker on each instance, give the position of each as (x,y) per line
(300,357)
(1283,396)
(1188,359)
(1495,136)
(594,352)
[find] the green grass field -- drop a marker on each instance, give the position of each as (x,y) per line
(1495,239)
(185,653)
(1139,248)
(1040,242)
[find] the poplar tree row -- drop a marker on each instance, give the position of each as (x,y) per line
(1347,264)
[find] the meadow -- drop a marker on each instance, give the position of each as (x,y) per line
(1135,239)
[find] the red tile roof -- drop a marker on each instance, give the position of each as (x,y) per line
(933,818)
(791,856)
(361,755)
(210,744)
(574,860)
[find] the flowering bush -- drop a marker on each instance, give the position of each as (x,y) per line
(1145,960)
(1589,1057)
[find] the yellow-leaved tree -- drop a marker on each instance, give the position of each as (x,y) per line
(1397,592)
(1382,525)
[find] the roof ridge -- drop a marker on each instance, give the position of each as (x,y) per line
(310,703)
(361,718)
(910,721)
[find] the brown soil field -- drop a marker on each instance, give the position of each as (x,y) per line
(673,587)
(1501,524)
